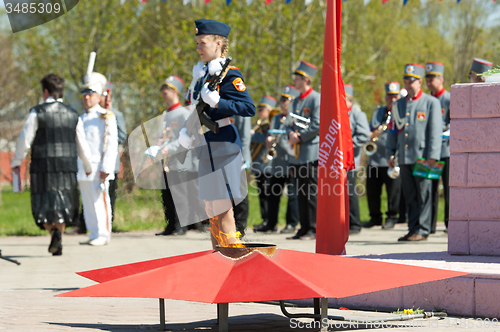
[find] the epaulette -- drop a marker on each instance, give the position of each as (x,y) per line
(233,67)
(109,115)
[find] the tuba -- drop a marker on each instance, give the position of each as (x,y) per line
(370,148)
(261,128)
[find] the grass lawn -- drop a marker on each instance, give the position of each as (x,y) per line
(141,210)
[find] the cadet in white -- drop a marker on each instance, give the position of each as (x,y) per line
(102,136)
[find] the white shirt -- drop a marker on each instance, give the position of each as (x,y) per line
(28,133)
(94,125)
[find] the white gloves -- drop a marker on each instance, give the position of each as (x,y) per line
(198,70)
(185,140)
(215,66)
(153,150)
(210,97)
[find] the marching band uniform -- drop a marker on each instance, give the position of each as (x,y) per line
(437,69)
(416,133)
(172,121)
(56,137)
(304,167)
(360,132)
(281,177)
(377,170)
(262,169)
(102,136)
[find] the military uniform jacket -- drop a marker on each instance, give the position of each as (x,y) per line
(258,165)
(280,162)
(307,105)
(122,135)
(94,124)
(360,131)
(444,99)
(174,119)
(244,126)
(379,118)
(416,129)
(234,100)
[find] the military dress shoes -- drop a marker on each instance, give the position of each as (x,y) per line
(297,236)
(389,223)
(372,223)
(100,241)
(353,231)
(265,229)
(310,235)
(412,238)
(262,224)
(289,229)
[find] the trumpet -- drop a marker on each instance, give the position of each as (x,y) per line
(393,173)
(301,122)
(262,127)
(370,148)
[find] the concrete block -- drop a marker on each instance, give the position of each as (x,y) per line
(458,169)
(483,170)
(460,102)
(484,238)
(487,295)
(458,237)
(475,135)
(474,203)
(485,100)
(453,295)
(390,299)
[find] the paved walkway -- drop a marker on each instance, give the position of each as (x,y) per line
(27,301)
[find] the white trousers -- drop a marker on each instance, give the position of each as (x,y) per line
(96,209)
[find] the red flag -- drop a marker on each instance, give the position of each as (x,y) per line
(336,154)
(268,2)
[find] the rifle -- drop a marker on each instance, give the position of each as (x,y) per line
(200,116)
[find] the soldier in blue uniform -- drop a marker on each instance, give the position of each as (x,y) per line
(304,164)
(479,66)
(377,165)
(224,148)
(360,131)
(261,167)
(416,131)
(434,78)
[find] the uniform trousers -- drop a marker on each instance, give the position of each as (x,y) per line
(435,196)
(354,215)
(306,181)
(96,209)
(418,197)
(377,177)
(263,182)
(169,208)
(277,187)
(241,215)
(113,185)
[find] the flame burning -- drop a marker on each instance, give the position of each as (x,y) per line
(230,239)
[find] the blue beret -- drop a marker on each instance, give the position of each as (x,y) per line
(211,27)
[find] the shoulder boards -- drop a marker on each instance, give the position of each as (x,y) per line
(233,67)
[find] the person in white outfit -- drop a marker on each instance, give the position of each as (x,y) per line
(55,135)
(102,136)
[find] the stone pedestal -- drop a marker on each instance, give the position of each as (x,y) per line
(474,227)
